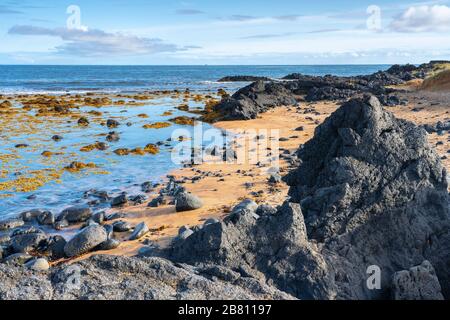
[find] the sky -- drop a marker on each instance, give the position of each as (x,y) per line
(237,32)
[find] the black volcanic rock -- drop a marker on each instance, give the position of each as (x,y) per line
(374,192)
(258,97)
(243,79)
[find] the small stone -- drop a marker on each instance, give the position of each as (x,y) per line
(187,202)
(121,226)
(39,264)
(86,240)
(119,201)
(140,231)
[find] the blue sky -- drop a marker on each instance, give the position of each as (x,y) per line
(223,32)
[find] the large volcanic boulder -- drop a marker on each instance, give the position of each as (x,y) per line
(373,192)
(270,246)
(258,97)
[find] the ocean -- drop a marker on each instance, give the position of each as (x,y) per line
(116,174)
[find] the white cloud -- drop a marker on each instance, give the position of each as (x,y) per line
(86,43)
(423,19)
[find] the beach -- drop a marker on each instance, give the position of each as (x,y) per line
(220,195)
(233,186)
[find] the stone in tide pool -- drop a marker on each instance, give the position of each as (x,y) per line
(187,202)
(140,231)
(109,244)
(10,224)
(76,214)
(24,243)
(86,240)
(119,201)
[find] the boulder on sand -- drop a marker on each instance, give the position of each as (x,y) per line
(256,98)
(12,223)
(139,231)
(86,240)
(75,214)
(187,202)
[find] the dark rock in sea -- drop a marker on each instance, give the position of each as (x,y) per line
(26,243)
(243,79)
(112,137)
(75,214)
(31,215)
(122,226)
(46,218)
(83,121)
(57,138)
(187,202)
(60,225)
(111,123)
(85,241)
(147,187)
(119,201)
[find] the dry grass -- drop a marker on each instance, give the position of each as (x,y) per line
(438,82)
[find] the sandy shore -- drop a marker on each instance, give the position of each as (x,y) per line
(221,194)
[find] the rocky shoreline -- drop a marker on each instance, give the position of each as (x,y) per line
(348,209)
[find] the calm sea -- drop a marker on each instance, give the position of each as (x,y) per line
(124,173)
(50,79)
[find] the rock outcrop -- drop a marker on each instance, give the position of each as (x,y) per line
(123,278)
(258,97)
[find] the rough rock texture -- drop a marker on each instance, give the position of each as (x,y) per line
(187,202)
(123,278)
(417,283)
(86,240)
(373,192)
(256,98)
(75,214)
